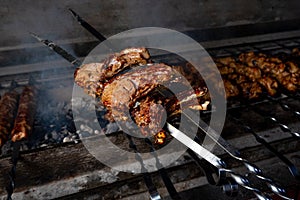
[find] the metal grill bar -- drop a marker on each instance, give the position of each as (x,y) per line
(12,174)
(285,106)
(293,169)
(163,173)
(154,194)
(236,49)
(273,118)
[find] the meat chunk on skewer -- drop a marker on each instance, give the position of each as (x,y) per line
(126,58)
(88,77)
(124,91)
(93,76)
(8,108)
(25,116)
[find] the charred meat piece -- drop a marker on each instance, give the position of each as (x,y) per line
(8,108)
(286,73)
(230,89)
(92,76)
(225,60)
(122,92)
(254,74)
(120,61)
(25,116)
(88,77)
(246,75)
(149,115)
(248,89)
(251,90)
(237,83)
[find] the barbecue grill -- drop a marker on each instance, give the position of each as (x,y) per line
(53,162)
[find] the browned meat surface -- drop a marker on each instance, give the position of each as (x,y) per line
(231,90)
(93,76)
(242,73)
(126,58)
(286,73)
(25,115)
(149,116)
(88,77)
(123,92)
(8,108)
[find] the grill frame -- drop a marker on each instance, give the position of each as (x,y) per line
(30,153)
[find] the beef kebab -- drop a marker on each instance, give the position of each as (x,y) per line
(102,79)
(25,116)
(8,108)
(93,76)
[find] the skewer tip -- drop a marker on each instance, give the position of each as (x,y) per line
(35,36)
(74,14)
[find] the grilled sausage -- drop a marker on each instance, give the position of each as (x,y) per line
(8,108)
(25,116)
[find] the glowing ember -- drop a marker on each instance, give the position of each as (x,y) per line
(160,137)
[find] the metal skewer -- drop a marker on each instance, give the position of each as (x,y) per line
(167,181)
(216,161)
(154,194)
(285,106)
(87,26)
(60,51)
(232,152)
(12,174)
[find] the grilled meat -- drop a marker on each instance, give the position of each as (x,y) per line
(93,76)
(123,92)
(88,77)
(249,74)
(126,58)
(25,115)
(238,84)
(149,115)
(8,108)
(286,73)
(173,105)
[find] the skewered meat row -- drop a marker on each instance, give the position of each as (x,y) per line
(242,77)
(25,115)
(196,81)
(248,88)
(249,74)
(94,77)
(269,72)
(8,108)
